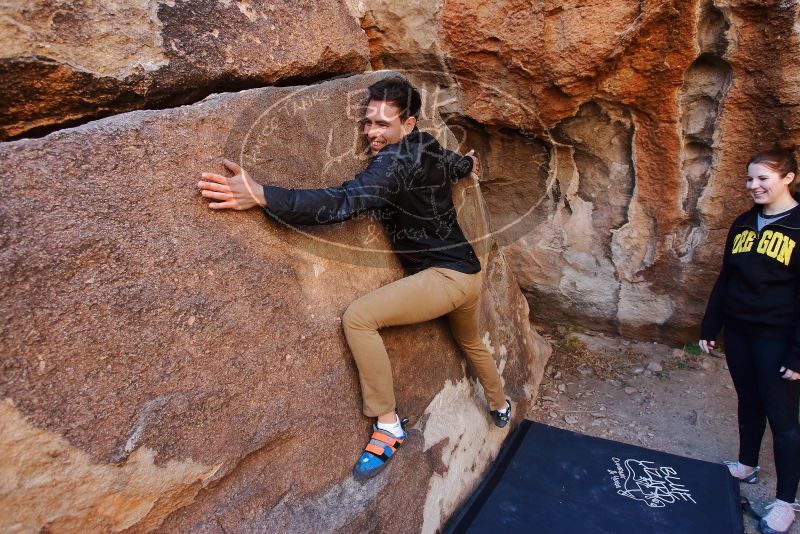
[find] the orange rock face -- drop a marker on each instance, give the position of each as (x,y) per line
(597,86)
(169,366)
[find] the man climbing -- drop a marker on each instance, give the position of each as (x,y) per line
(408,180)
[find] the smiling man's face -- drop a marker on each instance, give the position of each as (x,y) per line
(383,124)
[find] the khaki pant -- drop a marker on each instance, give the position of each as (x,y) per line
(421,297)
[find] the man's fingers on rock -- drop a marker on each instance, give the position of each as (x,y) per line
(214,177)
(230,204)
(216,195)
(232,166)
(213,186)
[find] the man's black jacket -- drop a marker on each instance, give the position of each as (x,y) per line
(409,185)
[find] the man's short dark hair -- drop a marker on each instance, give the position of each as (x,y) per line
(399,92)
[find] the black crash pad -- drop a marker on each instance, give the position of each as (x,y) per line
(547,480)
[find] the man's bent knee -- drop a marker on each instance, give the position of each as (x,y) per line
(355,318)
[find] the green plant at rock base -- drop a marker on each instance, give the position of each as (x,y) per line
(572,344)
(693,349)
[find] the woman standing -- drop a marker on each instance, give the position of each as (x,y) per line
(757,299)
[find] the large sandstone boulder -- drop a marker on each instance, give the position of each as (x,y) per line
(168,367)
(63,63)
(614,136)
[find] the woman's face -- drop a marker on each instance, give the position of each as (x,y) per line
(767,186)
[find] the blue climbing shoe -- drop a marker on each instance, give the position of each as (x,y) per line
(381,448)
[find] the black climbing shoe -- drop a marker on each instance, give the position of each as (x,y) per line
(501,419)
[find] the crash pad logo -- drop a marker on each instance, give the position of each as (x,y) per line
(653,484)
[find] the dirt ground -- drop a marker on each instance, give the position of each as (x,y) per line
(650,395)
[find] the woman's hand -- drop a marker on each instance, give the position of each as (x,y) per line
(788,374)
(706,346)
(237,192)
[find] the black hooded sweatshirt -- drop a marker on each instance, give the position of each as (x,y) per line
(409,184)
(758,288)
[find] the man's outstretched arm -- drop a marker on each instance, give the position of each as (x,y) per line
(369,189)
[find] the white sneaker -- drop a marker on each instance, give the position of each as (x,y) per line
(743,473)
(780,517)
